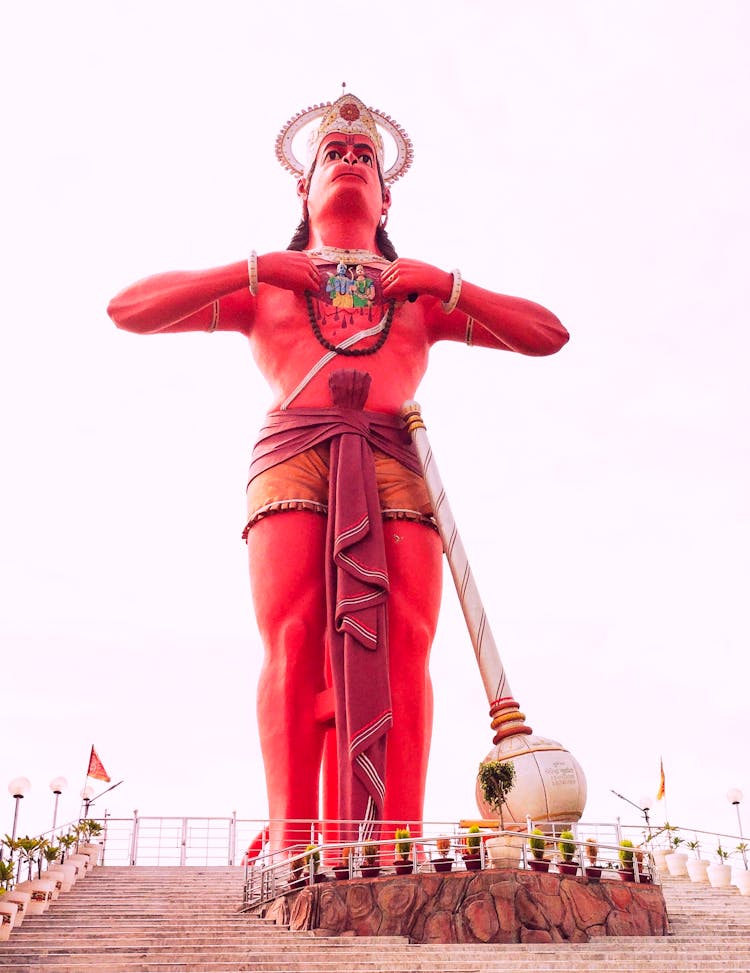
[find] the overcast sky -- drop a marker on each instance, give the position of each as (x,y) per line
(591,156)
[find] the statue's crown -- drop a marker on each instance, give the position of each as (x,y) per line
(349,116)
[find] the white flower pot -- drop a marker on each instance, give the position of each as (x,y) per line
(94,851)
(677,863)
(720,876)
(22,900)
(743,882)
(68,873)
(8,912)
(58,881)
(696,869)
(83,862)
(660,858)
(504,851)
(41,895)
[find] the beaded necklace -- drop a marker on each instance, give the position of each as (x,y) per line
(386,321)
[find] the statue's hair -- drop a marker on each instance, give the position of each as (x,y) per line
(302,234)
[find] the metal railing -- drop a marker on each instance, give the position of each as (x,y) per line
(230,841)
(277,872)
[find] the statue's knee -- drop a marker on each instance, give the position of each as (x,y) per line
(295,642)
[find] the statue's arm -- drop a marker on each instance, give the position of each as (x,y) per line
(499,321)
(187,300)
(184,301)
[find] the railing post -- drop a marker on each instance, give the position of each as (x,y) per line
(183,841)
(232,837)
(134,839)
(104,841)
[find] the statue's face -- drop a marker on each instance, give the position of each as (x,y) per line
(346,173)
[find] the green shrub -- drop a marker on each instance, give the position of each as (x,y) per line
(537,843)
(566,845)
(626,853)
(403,842)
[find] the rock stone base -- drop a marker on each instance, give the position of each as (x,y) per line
(492,906)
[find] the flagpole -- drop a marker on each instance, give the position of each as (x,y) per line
(85,806)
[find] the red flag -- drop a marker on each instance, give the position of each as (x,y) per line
(660,792)
(96,768)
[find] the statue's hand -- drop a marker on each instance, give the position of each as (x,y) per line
(405,277)
(290,269)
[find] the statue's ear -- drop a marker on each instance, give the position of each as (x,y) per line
(386,200)
(302,188)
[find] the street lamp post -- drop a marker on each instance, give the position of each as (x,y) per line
(86,794)
(17,789)
(735,797)
(57,786)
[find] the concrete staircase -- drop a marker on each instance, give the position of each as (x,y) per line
(149,920)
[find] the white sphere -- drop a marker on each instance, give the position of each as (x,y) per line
(549,784)
(19,786)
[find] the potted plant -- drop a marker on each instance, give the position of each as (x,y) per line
(567,848)
(370,867)
(312,860)
(471,851)
(443,863)
(66,841)
(661,854)
(8,912)
(719,873)
(21,899)
(537,846)
(70,869)
(591,850)
(743,877)
(696,867)
(626,872)
(53,872)
(643,872)
(341,871)
(89,829)
(496,779)
(29,850)
(50,852)
(6,873)
(403,864)
(677,861)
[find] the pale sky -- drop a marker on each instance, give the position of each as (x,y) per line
(591,156)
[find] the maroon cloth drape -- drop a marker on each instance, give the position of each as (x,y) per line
(356,573)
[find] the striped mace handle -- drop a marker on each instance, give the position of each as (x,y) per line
(507,720)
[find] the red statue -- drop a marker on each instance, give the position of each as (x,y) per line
(345,563)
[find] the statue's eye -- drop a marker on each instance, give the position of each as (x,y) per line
(365,158)
(333,154)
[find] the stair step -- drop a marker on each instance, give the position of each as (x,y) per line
(159,920)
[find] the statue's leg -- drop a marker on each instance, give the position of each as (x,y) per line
(288,583)
(415,568)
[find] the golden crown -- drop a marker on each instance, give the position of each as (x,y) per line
(350,116)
